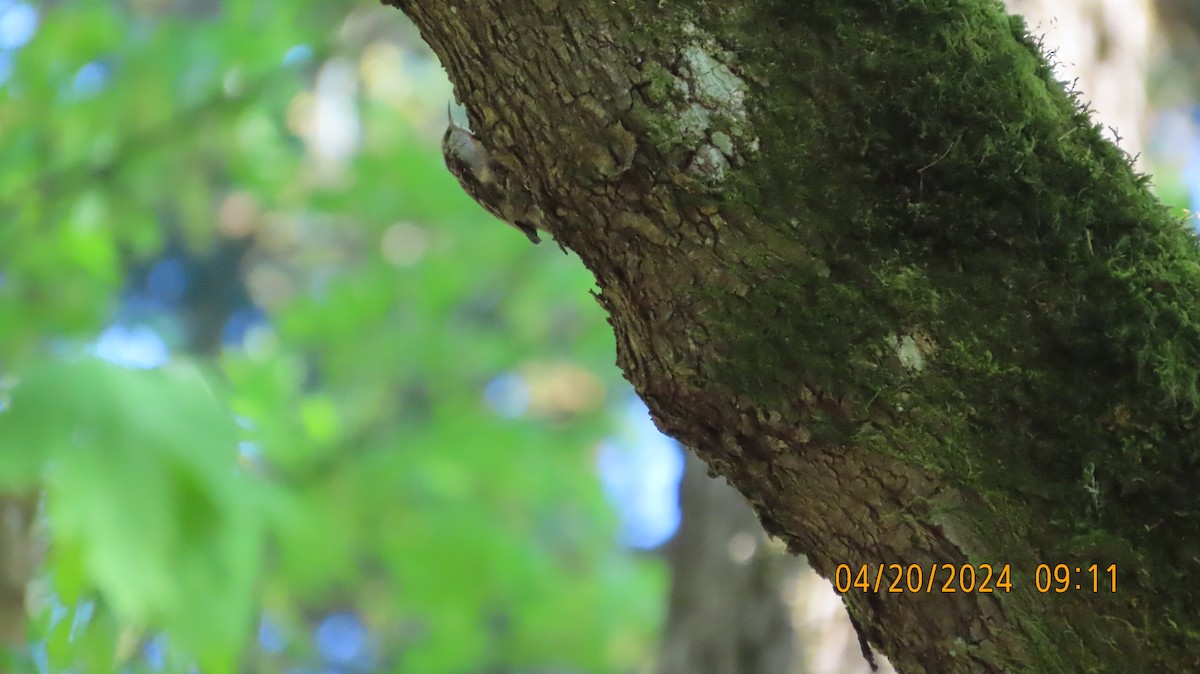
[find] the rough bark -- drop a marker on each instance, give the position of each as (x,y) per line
(872,264)
(1105,48)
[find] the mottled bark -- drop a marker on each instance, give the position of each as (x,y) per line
(873,265)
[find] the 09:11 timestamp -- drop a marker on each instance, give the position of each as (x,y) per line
(1065,578)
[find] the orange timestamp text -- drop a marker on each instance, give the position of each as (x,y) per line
(924,578)
(969,578)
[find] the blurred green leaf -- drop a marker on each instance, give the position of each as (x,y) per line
(141,468)
(374,472)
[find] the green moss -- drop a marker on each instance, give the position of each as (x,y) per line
(662,86)
(945,181)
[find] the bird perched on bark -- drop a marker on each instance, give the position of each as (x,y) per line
(488,184)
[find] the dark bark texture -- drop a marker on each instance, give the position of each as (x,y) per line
(874,265)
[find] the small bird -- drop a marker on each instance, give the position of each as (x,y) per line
(487,183)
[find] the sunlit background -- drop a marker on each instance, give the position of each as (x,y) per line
(295,402)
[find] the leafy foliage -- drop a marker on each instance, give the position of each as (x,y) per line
(142,491)
(351,452)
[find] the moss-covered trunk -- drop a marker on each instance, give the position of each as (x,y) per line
(872,263)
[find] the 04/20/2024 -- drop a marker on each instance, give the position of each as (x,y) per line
(968,578)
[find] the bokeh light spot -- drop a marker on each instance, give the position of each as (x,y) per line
(507,395)
(137,347)
(18,23)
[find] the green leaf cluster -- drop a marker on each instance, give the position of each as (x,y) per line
(345,457)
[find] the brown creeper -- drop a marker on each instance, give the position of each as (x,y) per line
(486,182)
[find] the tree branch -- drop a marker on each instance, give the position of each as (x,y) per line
(873,264)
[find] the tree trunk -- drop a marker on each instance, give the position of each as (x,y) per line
(1105,47)
(872,264)
(17,562)
(727,613)
(739,604)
